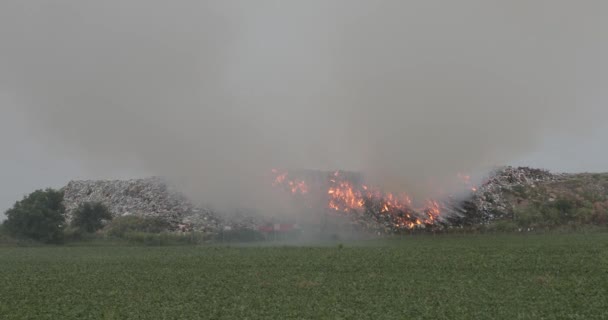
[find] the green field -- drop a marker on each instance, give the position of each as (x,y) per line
(418,277)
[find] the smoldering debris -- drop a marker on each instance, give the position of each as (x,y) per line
(345,193)
(368,213)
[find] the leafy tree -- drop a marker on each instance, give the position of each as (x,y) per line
(39,216)
(90,216)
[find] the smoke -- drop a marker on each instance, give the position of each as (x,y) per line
(213,94)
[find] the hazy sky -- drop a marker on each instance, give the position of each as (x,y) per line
(215,93)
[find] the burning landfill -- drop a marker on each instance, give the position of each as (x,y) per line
(343,193)
(335,194)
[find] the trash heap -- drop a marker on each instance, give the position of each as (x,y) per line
(149,197)
(154,197)
(492,200)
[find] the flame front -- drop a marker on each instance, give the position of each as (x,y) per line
(294,186)
(345,197)
(466,180)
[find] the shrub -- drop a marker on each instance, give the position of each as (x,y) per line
(72,233)
(240,235)
(584,215)
(91,216)
(551,216)
(120,226)
(600,213)
(526,216)
(520,191)
(560,212)
(165,238)
(4,236)
(505,226)
(564,206)
(39,216)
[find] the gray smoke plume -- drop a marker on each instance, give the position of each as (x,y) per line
(213,94)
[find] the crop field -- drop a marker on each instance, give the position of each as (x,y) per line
(417,277)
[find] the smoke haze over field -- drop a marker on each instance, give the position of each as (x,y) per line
(213,94)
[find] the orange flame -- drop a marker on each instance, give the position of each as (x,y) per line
(466,180)
(294,186)
(346,197)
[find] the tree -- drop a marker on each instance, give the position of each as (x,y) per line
(90,216)
(39,216)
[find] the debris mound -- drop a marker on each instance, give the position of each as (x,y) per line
(343,195)
(491,199)
(148,197)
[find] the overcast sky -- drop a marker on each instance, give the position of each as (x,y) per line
(29,164)
(398,89)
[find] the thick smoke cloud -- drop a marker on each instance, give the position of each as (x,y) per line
(213,94)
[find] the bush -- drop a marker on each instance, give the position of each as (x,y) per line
(72,233)
(505,226)
(39,216)
(91,216)
(165,238)
(520,191)
(4,236)
(565,207)
(527,216)
(240,235)
(600,213)
(584,215)
(120,226)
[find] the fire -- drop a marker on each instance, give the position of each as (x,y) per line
(345,196)
(294,186)
(433,210)
(298,187)
(280,177)
(466,180)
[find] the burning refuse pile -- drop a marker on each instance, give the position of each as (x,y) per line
(344,194)
(339,194)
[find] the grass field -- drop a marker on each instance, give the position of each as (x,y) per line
(420,277)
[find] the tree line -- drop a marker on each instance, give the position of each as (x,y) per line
(41,216)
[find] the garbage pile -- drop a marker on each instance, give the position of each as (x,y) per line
(149,197)
(382,213)
(492,200)
(344,193)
